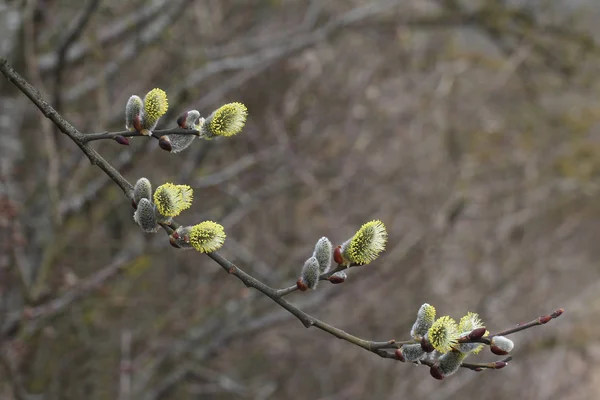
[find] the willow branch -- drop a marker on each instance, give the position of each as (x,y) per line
(90,137)
(53,307)
(544,319)
(322,277)
(64,126)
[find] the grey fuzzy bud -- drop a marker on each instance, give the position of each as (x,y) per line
(310,273)
(142,190)
(425,318)
(503,343)
(412,352)
(133,111)
(338,277)
(450,362)
(145,216)
(323,253)
(180,142)
(190,120)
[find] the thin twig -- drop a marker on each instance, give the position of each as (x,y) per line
(70,37)
(156,134)
(322,277)
(544,319)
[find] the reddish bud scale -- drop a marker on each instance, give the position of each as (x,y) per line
(477,333)
(133,204)
(335,279)
(165,143)
(545,319)
(173,242)
(558,312)
(500,364)
(337,255)
(122,140)
(301,285)
(436,372)
(181,120)
(399,355)
(498,351)
(426,346)
(175,235)
(478,369)
(137,123)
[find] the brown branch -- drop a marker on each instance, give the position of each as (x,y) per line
(64,126)
(544,319)
(90,137)
(322,277)
(55,306)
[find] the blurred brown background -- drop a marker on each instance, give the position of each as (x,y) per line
(470,127)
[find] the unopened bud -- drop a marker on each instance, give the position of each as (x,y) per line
(322,253)
(477,333)
(165,143)
(558,313)
(436,372)
(142,190)
(301,285)
(173,242)
(180,142)
(399,355)
(145,216)
(310,273)
(337,256)
(412,352)
(122,140)
(181,120)
(500,364)
(133,112)
(338,277)
(426,346)
(450,362)
(425,318)
(501,345)
(189,120)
